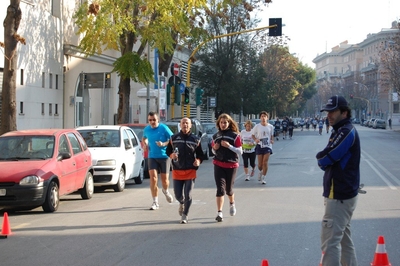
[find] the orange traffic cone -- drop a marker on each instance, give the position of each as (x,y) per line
(6,230)
(381,258)
(264,263)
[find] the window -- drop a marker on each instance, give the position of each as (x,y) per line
(50,81)
(396,108)
(43,79)
(56,109)
(56,82)
(22,77)
(21,107)
(63,145)
(133,138)
(76,147)
(50,109)
(42,108)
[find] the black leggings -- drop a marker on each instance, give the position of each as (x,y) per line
(249,156)
(224,180)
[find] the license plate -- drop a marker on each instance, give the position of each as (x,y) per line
(2,192)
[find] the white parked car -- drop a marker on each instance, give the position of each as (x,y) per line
(116,155)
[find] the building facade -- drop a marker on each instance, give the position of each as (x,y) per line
(354,71)
(58,86)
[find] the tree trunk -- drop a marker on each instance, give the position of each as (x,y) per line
(11,25)
(124,92)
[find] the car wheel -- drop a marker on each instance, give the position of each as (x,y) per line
(88,189)
(52,198)
(119,187)
(139,178)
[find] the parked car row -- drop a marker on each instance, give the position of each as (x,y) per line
(375,123)
(40,166)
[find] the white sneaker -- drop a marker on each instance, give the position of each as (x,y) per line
(247,178)
(168,196)
(180,210)
(155,206)
(259,176)
(184,219)
(232,210)
(263,180)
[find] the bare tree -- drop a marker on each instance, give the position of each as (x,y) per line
(11,39)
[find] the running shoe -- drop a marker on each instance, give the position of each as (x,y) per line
(263,180)
(219,217)
(180,210)
(168,196)
(247,178)
(259,176)
(154,206)
(184,219)
(252,173)
(232,210)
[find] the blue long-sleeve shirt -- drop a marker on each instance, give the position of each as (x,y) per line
(341,162)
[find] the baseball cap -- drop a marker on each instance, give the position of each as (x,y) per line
(334,103)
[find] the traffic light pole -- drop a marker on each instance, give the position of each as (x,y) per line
(213,38)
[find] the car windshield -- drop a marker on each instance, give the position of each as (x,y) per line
(101,137)
(175,128)
(26,147)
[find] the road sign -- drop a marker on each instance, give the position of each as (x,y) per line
(176,69)
(182,87)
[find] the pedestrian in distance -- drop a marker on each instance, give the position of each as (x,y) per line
(186,153)
(390,122)
(156,137)
(263,136)
(340,161)
(291,127)
(284,124)
(249,151)
(227,147)
(320,126)
(327,125)
(277,128)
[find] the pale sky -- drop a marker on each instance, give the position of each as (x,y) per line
(315,26)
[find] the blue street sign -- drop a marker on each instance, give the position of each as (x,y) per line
(182,88)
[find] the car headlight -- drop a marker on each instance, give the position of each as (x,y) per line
(106,162)
(30,180)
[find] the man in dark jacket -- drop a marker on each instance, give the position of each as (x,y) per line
(186,153)
(341,162)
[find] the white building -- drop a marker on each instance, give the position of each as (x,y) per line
(50,70)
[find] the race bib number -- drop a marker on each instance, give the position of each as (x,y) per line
(264,142)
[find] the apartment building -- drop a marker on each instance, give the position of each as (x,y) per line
(58,86)
(354,71)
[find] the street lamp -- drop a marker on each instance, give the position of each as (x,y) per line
(368,101)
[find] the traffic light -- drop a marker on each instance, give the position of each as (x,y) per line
(275,31)
(107,80)
(199,96)
(169,94)
(177,94)
(186,98)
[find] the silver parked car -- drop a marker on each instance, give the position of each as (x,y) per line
(379,123)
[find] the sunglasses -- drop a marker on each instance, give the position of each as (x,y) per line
(151,120)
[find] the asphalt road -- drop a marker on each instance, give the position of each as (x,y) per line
(279,221)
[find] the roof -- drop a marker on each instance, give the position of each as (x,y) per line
(32,132)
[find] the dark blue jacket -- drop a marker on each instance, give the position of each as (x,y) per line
(189,149)
(341,162)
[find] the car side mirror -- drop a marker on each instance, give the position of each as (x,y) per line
(63,155)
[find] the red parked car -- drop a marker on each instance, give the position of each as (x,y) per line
(39,166)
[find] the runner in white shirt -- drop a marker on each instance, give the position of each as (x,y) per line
(263,135)
(249,151)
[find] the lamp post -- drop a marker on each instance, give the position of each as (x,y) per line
(368,101)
